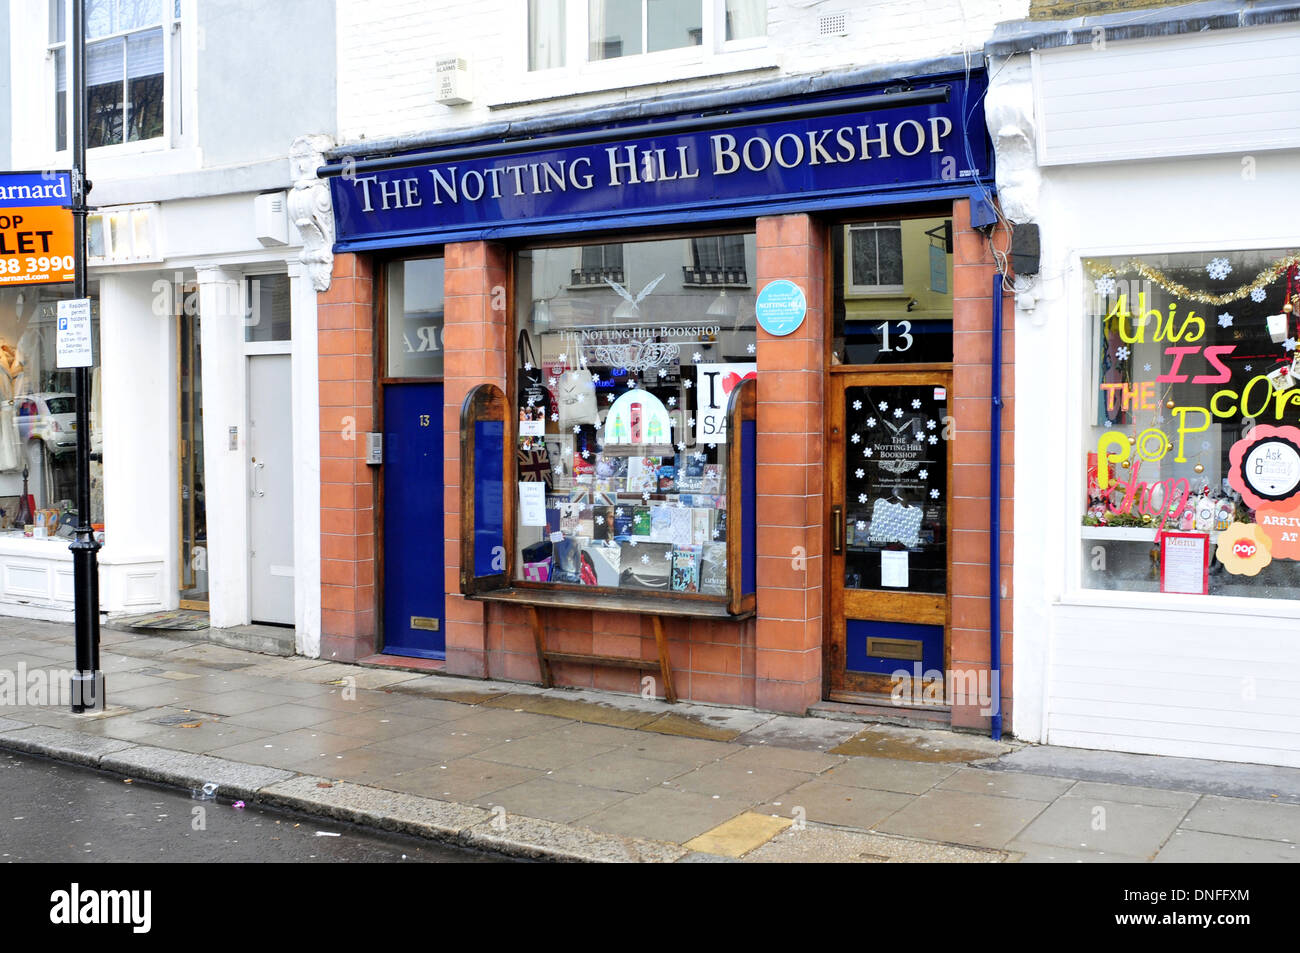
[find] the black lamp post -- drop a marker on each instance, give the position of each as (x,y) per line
(87,681)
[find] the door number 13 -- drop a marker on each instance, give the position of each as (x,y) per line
(903,332)
(424,420)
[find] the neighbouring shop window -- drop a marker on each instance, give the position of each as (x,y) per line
(270,314)
(124,70)
(893,291)
(621,398)
(746,19)
(546,34)
(1191,453)
(415,318)
(38,428)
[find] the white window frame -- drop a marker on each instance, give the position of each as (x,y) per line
(867,290)
(178,46)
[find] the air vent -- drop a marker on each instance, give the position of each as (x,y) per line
(833,24)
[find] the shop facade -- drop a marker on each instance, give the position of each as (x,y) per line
(691,401)
(1156,591)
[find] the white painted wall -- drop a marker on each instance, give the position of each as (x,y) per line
(1208,677)
(387,52)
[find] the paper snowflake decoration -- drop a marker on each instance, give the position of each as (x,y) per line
(600,521)
(691,422)
(532,401)
(898,411)
(1288,344)
(1122,354)
(861,525)
(930,424)
(862,497)
(631,383)
(933,439)
(681,445)
(713,446)
(668,554)
(557,469)
(672,401)
(552,381)
(871,421)
(609,398)
(645,495)
(632,542)
(672,423)
(1218,268)
(555,417)
(1225,320)
(916,404)
(595,378)
(857,405)
(699,457)
(1249,367)
(751,348)
(697,357)
(586,454)
(1105,286)
(577,428)
(528,365)
(645,559)
(924,474)
(663,372)
(934,494)
(856,438)
(859,473)
(1258,295)
(717,533)
(618,511)
(686,384)
(1147,366)
(883,406)
(868,452)
(562,359)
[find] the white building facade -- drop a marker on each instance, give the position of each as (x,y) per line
(204,135)
(1158,152)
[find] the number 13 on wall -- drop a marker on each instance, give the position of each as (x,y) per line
(903,332)
(424,420)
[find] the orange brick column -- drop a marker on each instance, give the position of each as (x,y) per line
(345,316)
(790,465)
(475,352)
(973,271)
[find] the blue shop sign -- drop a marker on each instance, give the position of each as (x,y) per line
(911,151)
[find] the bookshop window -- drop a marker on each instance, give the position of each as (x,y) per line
(1192,426)
(621,398)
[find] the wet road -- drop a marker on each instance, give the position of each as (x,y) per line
(54,813)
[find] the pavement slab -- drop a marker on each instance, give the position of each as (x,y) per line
(838,804)
(809,734)
(684,727)
(739,835)
(552,800)
(955,817)
(1243,818)
(1139,830)
(542,751)
(914,744)
(1201,847)
(440,743)
(737,781)
(469,780)
(622,771)
(573,709)
(890,774)
(660,814)
(788,759)
(1132,794)
(1004,784)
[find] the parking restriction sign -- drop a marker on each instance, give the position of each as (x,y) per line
(72,337)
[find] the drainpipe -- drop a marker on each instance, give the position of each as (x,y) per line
(995,513)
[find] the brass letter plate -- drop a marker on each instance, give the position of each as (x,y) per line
(909,649)
(431,625)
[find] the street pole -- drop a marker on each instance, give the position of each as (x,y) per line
(87,685)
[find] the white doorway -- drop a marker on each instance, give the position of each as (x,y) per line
(270,489)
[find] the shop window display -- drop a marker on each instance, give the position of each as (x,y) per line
(621,396)
(38,437)
(1192,432)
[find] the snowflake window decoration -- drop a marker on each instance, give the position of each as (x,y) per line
(898,411)
(1225,320)
(1258,295)
(856,439)
(884,406)
(916,404)
(867,452)
(924,474)
(750,348)
(933,439)
(857,405)
(1105,285)
(1288,344)
(672,401)
(859,473)
(930,424)
(862,497)
(1218,268)
(934,494)
(871,421)
(1121,354)
(645,559)
(861,525)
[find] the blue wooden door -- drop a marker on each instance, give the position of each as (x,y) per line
(413,598)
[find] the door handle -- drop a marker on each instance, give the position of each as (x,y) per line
(837,530)
(256,491)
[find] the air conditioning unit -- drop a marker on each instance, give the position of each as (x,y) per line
(452,76)
(271,218)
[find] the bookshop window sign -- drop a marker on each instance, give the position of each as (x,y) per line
(1192,433)
(846,151)
(622,384)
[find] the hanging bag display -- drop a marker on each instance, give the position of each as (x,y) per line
(534,397)
(575,392)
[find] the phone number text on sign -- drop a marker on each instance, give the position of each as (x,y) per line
(36,238)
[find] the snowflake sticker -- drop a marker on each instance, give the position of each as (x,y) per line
(713,446)
(1288,344)
(557,468)
(934,494)
(700,457)
(686,384)
(717,533)
(691,423)
(898,411)
(860,525)
(862,497)
(916,404)
(1249,367)
(668,554)
(672,401)
(632,542)
(1147,366)
(1225,320)
(631,383)
(857,405)
(933,439)
(751,348)
(609,398)
(586,454)
(663,372)
(1121,354)
(1205,445)
(867,452)
(1105,285)
(856,438)
(552,381)
(871,421)
(562,359)
(931,424)
(600,521)
(528,365)
(859,473)
(645,495)
(577,428)
(924,474)
(618,511)
(1218,268)
(883,406)
(645,559)
(681,445)
(1258,295)
(697,357)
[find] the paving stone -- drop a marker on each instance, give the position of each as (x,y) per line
(726,718)
(289,748)
(554,800)
(622,771)
(1006,784)
(374,725)
(788,759)
(544,751)
(1203,847)
(574,709)
(375,678)
(464,779)
(914,744)
(1042,854)
(174,694)
(507,725)
(845,806)
(333,699)
(1086,824)
(739,835)
(531,837)
(430,709)
(1245,818)
(233,778)
(597,734)
(388,810)
(695,751)
(288,688)
(808,734)
(317,674)
(237,702)
(1132,794)
(460,690)
(675,816)
(685,727)
(61,744)
(282,718)
(208,736)
(371,766)
(12,724)
(740,782)
(955,817)
(889,774)
(699,857)
(280,667)
(816,843)
(437,744)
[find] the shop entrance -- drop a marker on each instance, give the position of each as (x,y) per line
(270,488)
(192,558)
(889,514)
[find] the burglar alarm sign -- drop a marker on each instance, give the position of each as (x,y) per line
(36,243)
